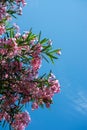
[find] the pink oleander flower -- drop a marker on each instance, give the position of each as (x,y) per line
(16,27)
(23,2)
(2,11)
(7,116)
(37,50)
(17,35)
(2,29)
(20,60)
(34,106)
(48,105)
(59,52)
(21,120)
(36,63)
(1,116)
(55,86)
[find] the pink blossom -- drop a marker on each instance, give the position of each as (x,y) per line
(36,63)
(1,116)
(2,29)
(7,116)
(59,52)
(34,106)
(23,2)
(37,50)
(2,11)
(6,76)
(48,105)
(16,27)
(17,35)
(21,120)
(20,61)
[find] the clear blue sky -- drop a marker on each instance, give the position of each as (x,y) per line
(65,22)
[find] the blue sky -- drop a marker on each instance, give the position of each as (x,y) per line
(65,22)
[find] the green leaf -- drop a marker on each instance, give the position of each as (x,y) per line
(52,56)
(44,41)
(30,33)
(46,48)
(39,36)
(9,28)
(17,58)
(20,109)
(11,33)
(54,51)
(11,12)
(13,16)
(42,76)
(4,123)
(45,58)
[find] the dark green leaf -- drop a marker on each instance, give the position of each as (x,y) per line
(44,41)
(45,58)
(46,48)
(39,36)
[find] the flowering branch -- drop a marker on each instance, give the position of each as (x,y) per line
(21,57)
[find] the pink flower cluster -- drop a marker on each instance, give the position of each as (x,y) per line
(20,61)
(23,2)
(45,94)
(19,66)
(21,120)
(2,29)
(8,8)
(3,12)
